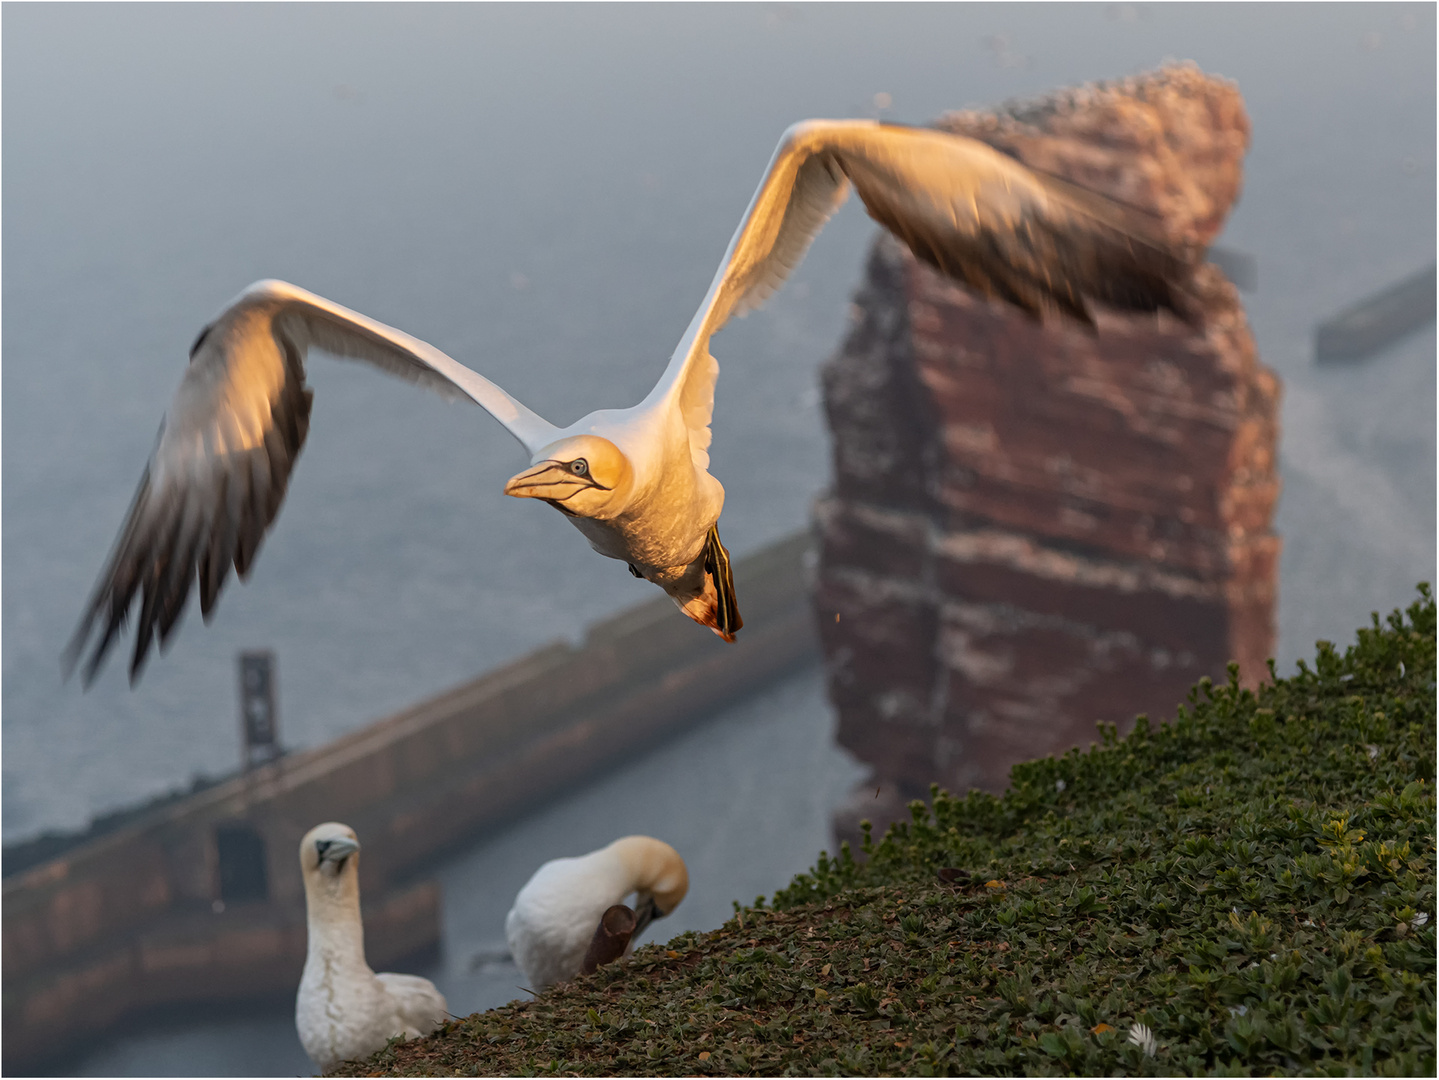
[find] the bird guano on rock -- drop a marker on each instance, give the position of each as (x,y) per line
(634,481)
(343,1009)
(556,913)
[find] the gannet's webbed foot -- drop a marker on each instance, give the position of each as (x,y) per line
(726,615)
(634,570)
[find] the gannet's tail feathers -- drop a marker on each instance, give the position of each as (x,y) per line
(705,592)
(727,621)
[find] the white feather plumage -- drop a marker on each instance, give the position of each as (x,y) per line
(555,914)
(343,1009)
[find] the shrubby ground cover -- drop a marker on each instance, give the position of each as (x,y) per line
(1247,889)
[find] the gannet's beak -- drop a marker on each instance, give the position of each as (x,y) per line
(646,912)
(550,480)
(336,850)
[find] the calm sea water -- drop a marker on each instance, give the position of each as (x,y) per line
(544,192)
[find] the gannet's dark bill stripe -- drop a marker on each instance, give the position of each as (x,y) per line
(727,617)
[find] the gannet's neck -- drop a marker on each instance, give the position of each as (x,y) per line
(671,501)
(332,916)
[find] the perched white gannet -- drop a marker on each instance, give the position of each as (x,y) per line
(344,1010)
(634,481)
(557,912)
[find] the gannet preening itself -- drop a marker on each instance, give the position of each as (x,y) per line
(344,1010)
(635,481)
(556,914)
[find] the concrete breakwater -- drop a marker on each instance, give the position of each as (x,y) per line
(1378,320)
(201,901)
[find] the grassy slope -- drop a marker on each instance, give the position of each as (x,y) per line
(1246,881)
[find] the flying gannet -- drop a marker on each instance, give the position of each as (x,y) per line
(344,1010)
(555,915)
(634,481)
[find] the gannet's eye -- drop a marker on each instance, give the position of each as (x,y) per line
(580,467)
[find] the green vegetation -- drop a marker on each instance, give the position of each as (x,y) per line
(1253,883)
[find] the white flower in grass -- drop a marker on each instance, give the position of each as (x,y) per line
(1143,1038)
(1421,919)
(1060,785)
(1238,1010)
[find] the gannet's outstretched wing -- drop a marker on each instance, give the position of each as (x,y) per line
(227,444)
(977,215)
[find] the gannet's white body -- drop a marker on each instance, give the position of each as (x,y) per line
(555,915)
(344,1010)
(635,481)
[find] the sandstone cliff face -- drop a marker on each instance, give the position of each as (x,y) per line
(1037,527)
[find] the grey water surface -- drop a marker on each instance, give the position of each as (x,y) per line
(544,192)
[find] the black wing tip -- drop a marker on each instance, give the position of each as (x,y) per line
(91,667)
(162,550)
(143,637)
(73,654)
(201,339)
(70,657)
(152,618)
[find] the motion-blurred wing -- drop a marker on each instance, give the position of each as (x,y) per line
(978,216)
(223,457)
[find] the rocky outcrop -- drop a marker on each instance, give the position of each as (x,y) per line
(1037,527)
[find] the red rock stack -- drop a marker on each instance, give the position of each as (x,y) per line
(1037,527)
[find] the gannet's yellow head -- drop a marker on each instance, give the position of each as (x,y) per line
(327,850)
(582,476)
(659,876)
